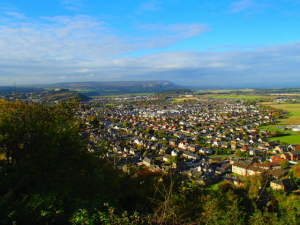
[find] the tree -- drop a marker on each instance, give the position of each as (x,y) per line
(48,172)
(284,164)
(32,134)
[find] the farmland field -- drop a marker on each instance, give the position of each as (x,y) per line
(291,137)
(294,113)
(243,97)
(183,99)
(225,91)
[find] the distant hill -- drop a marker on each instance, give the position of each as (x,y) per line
(62,95)
(117,87)
(41,94)
(4,90)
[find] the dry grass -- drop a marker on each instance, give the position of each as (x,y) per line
(184,99)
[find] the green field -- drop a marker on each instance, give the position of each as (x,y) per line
(225,91)
(290,137)
(244,97)
(129,95)
(293,139)
(81,90)
(292,109)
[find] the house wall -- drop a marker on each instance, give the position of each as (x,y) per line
(276,186)
(253,172)
(243,171)
(239,170)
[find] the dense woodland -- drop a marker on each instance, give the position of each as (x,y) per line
(48,177)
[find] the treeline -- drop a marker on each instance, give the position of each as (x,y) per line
(48,177)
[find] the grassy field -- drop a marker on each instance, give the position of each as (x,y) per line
(292,109)
(244,97)
(286,94)
(227,91)
(290,137)
(128,95)
(183,99)
(293,139)
(81,90)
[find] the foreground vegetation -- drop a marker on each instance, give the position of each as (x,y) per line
(48,177)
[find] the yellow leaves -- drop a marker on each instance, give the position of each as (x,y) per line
(91,118)
(2,156)
(296,170)
(2,101)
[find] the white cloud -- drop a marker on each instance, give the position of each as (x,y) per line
(159,35)
(72,5)
(82,48)
(51,47)
(59,38)
(241,5)
(16,15)
(262,67)
(252,6)
(269,66)
(188,30)
(151,5)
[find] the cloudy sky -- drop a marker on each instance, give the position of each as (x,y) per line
(207,43)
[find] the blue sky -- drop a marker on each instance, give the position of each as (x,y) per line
(207,43)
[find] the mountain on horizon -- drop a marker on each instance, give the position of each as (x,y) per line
(116,87)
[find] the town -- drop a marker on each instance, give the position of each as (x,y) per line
(207,140)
